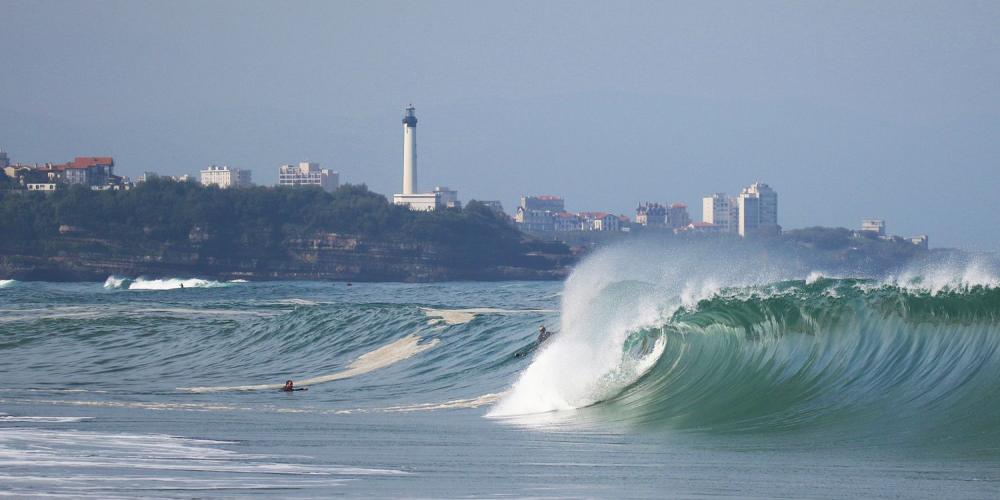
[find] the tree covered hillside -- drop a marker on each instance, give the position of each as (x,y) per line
(221,222)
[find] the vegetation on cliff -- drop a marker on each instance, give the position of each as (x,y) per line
(257,222)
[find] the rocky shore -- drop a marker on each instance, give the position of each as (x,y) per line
(327,256)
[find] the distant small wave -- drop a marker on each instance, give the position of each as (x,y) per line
(386,355)
(462,316)
(43,420)
(115,282)
(295,302)
(7,283)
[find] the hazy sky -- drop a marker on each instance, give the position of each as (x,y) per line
(847,109)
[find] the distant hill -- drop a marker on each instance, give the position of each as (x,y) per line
(167,228)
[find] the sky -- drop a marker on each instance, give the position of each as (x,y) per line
(847,109)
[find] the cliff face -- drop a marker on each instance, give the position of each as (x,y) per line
(325,256)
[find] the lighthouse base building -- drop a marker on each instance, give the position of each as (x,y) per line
(419,201)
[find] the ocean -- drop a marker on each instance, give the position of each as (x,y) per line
(667,376)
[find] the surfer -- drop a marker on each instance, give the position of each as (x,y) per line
(290,386)
(543,334)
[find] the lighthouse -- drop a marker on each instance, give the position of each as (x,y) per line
(441,197)
(410,150)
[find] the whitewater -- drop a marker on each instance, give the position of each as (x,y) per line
(677,373)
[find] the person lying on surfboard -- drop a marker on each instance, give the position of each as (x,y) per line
(290,386)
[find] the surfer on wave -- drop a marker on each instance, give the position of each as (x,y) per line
(543,334)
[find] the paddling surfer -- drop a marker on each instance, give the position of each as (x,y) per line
(290,387)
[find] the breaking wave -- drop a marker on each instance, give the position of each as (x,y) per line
(7,283)
(115,282)
(914,354)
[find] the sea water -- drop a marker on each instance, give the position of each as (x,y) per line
(677,380)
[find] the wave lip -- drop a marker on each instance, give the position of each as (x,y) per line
(119,283)
(7,283)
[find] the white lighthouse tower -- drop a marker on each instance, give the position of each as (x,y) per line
(441,196)
(410,151)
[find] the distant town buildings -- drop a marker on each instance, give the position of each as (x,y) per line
(441,197)
(225,177)
(653,215)
(547,214)
(308,174)
(94,172)
(599,221)
(754,212)
(539,214)
(876,228)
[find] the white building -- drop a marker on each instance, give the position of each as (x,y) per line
(440,197)
(600,221)
(722,212)
(225,177)
(420,202)
(876,226)
(758,205)
(308,174)
(447,198)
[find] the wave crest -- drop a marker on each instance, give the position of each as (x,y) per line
(119,283)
